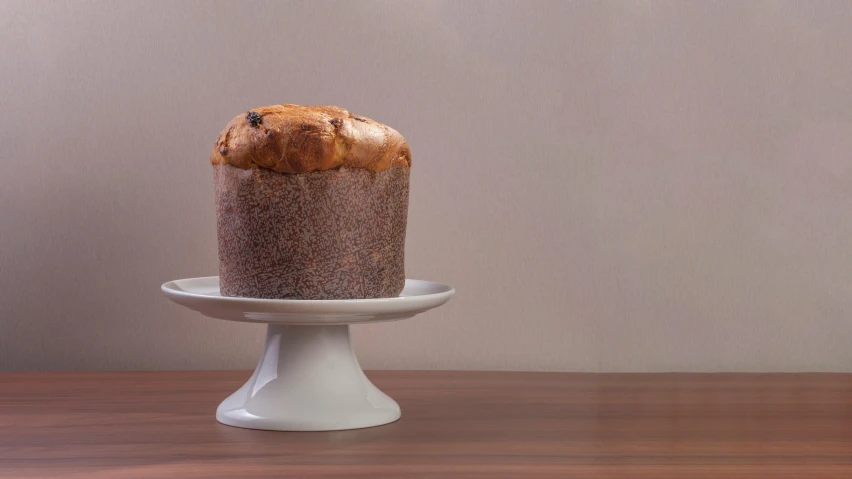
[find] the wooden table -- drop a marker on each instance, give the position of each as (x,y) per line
(454,424)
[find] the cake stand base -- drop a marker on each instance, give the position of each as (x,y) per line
(308,380)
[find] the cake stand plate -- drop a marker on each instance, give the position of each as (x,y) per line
(308,378)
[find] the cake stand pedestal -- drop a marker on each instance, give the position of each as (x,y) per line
(308,378)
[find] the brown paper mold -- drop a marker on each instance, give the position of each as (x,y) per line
(334,234)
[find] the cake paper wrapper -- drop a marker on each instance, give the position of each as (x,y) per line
(334,234)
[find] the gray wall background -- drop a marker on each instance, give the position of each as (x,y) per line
(610,186)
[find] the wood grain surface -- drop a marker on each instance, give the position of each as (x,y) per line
(454,424)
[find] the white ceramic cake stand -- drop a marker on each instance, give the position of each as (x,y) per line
(308,378)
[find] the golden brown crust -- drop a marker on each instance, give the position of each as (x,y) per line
(298,139)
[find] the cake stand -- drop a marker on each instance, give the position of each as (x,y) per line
(308,378)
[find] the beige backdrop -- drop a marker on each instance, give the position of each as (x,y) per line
(615,186)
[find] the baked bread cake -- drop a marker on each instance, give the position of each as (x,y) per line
(311,203)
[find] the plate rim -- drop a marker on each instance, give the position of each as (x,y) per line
(168,290)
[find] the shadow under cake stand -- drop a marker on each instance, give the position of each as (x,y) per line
(308,378)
